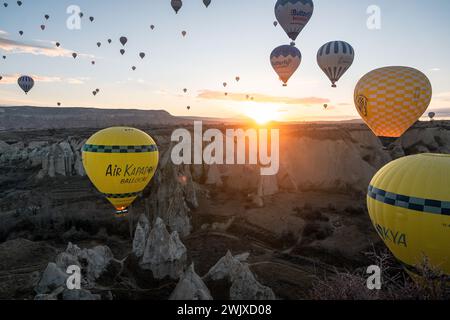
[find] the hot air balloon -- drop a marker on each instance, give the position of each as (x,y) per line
(5,5)
(133,68)
(224,84)
(109,41)
(431,115)
(21,33)
(97,90)
(409,205)
(1,78)
(188,107)
(285,61)
(185,90)
(99,44)
(47,17)
(91,19)
(42,27)
(26,83)
(94,93)
(335,58)
(152,27)
(123,40)
(81,14)
(4,57)
(275,23)
(176,5)
(74,55)
(294,15)
(59,104)
(19,3)
(120,162)
(226,93)
(325,106)
(58,44)
(122,51)
(142,55)
(183,33)
(238,79)
(207,3)
(390,100)
(92,62)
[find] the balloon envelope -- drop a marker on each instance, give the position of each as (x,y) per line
(207,3)
(176,5)
(431,115)
(409,205)
(285,61)
(335,58)
(26,83)
(120,162)
(123,40)
(294,15)
(390,100)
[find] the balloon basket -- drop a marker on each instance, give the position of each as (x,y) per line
(387,142)
(121,213)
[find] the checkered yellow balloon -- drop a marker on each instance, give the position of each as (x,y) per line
(390,100)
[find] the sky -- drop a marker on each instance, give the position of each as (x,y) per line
(230,38)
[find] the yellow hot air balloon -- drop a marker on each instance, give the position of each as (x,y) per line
(409,205)
(390,100)
(120,162)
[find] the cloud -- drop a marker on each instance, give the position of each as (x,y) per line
(3,33)
(443,96)
(12,79)
(220,95)
(38,47)
(435,69)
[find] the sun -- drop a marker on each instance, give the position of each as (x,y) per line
(262,113)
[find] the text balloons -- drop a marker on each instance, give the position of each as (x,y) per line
(294,15)
(120,162)
(408,203)
(285,61)
(335,58)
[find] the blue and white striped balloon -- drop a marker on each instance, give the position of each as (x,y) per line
(294,15)
(285,61)
(26,83)
(335,58)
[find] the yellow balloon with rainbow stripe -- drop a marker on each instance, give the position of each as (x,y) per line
(390,100)
(409,205)
(120,162)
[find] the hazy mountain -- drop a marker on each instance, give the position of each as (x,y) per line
(26,117)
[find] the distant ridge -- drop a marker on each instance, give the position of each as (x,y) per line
(28,117)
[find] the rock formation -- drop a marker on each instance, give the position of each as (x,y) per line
(164,253)
(94,263)
(191,287)
(236,271)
